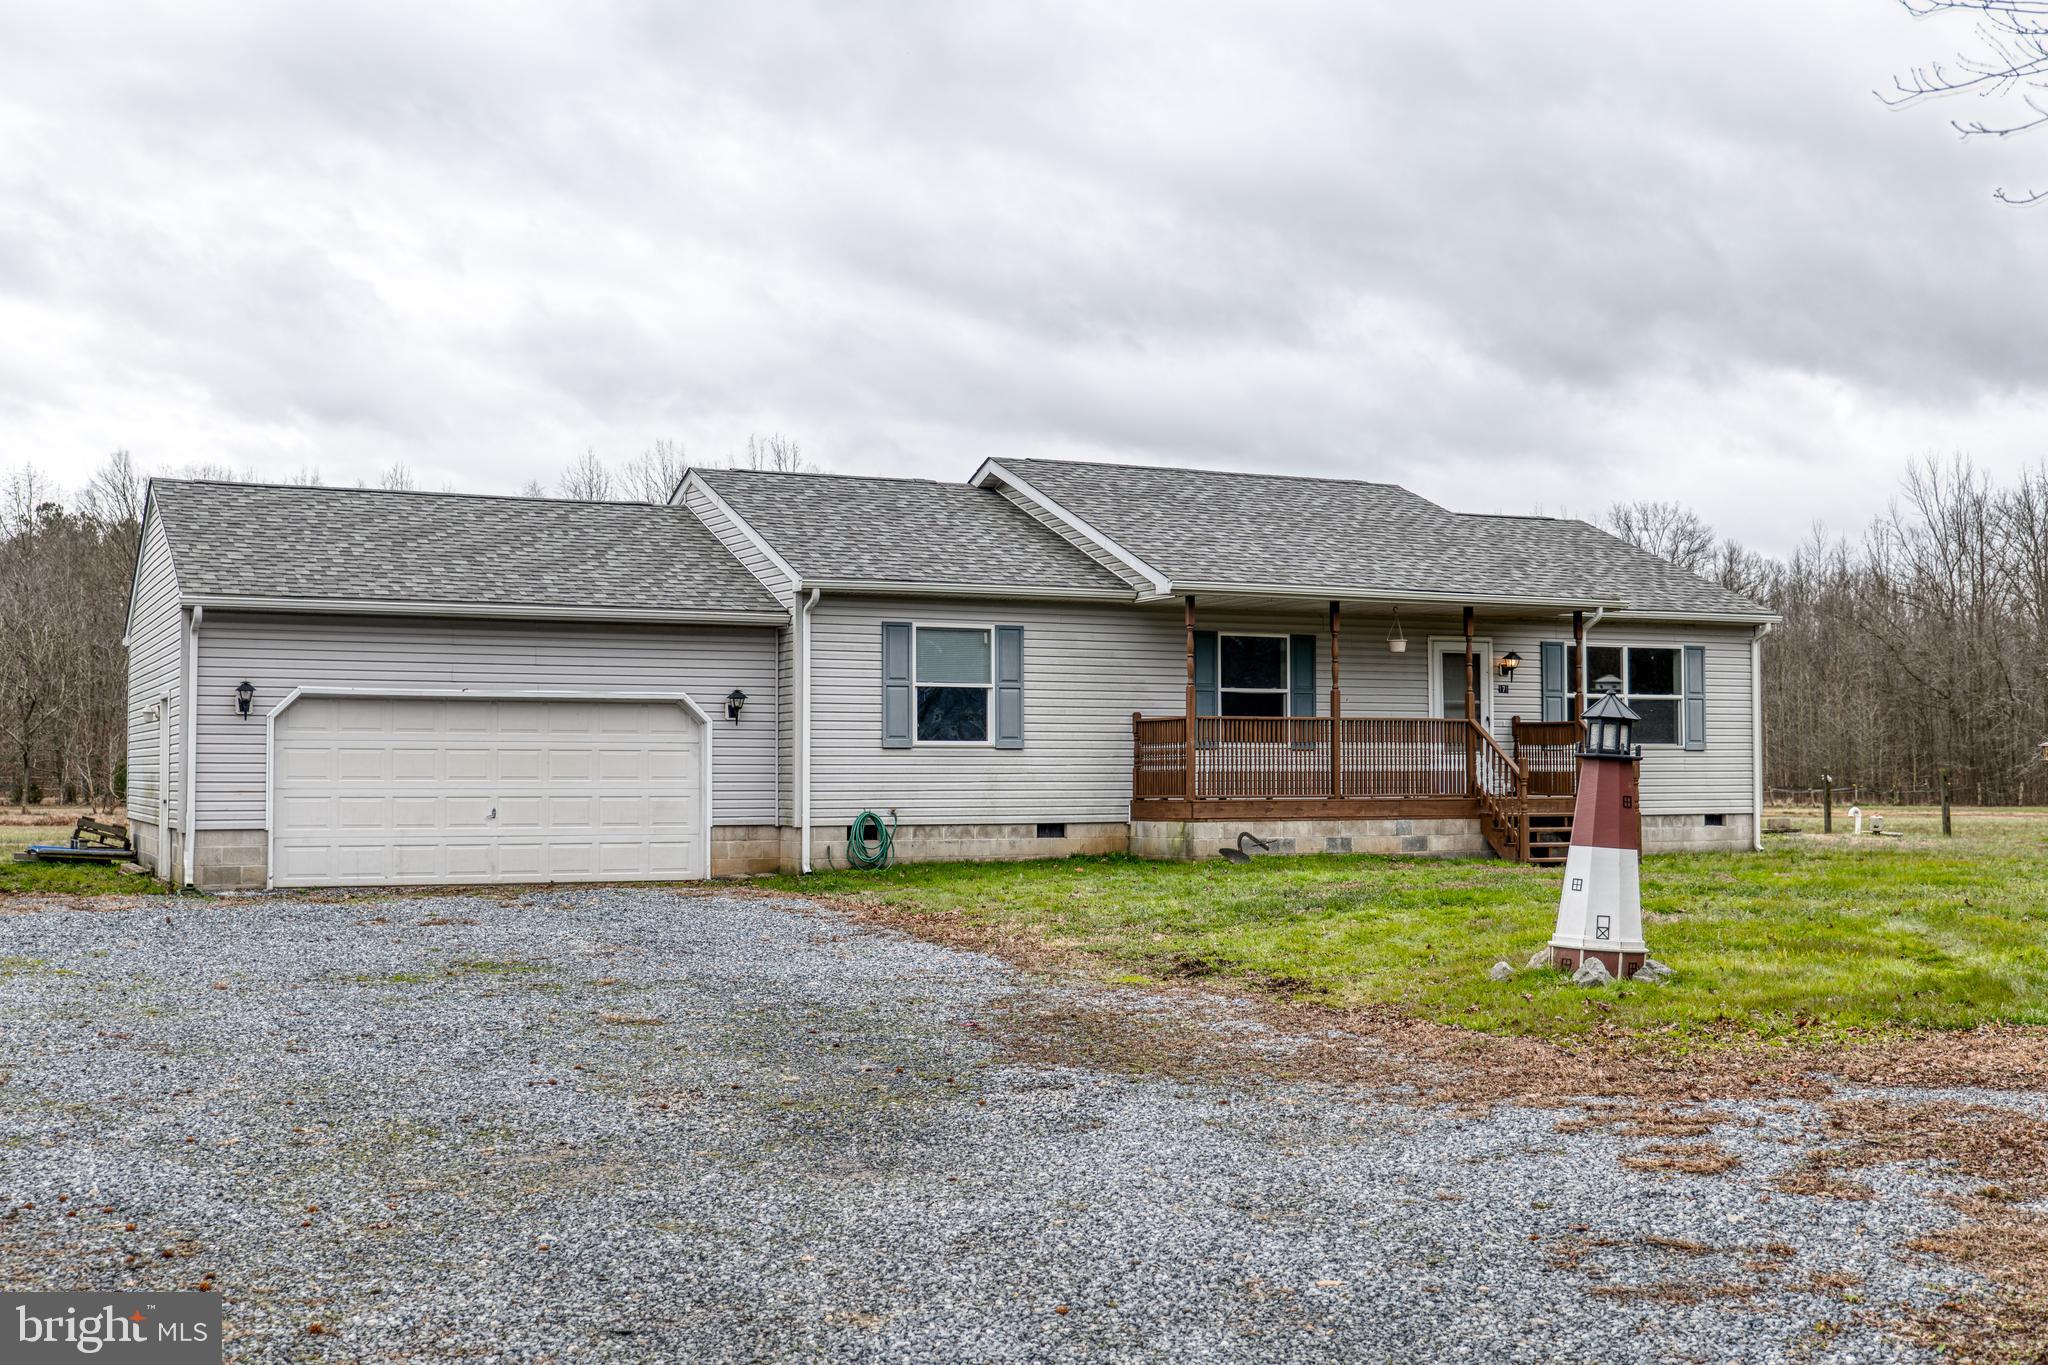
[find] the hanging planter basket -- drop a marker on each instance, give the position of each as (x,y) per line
(1397,643)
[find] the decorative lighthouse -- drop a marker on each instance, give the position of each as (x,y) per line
(1600,912)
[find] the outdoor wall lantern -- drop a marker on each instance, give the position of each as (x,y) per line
(244,694)
(1507,663)
(1609,723)
(734,700)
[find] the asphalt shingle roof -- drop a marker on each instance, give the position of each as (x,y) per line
(261,540)
(1219,529)
(906,531)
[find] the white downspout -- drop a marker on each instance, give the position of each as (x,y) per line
(803,729)
(189,718)
(1756,733)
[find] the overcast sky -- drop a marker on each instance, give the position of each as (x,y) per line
(1517,256)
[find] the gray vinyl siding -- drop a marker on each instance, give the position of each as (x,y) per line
(278,653)
(1080,542)
(1088,667)
(154,635)
(738,543)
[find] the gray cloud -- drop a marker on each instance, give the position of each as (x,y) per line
(1511,255)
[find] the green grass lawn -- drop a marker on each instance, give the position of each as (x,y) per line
(1815,939)
(79,879)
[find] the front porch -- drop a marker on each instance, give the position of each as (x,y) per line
(1196,767)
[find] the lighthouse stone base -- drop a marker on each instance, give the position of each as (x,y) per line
(1620,964)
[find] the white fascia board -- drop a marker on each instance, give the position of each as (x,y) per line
(993,469)
(1717,618)
(745,527)
(895,588)
(1356,593)
(142,547)
(363,606)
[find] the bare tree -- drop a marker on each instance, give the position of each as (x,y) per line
(776,453)
(397,479)
(654,474)
(534,488)
(2010,65)
(1667,531)
(586,479)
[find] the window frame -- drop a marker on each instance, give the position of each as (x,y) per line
(988,689)
(1573,666)
(1286,688)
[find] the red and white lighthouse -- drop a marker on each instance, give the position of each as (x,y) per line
(1600,911)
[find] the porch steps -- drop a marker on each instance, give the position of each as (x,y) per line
(1550,837)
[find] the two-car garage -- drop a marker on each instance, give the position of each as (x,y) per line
(464,789)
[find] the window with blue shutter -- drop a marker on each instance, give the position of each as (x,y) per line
(1695,697)
(1551,676)
(1009,687)
(1208,696)
(896,685)
(1301,675)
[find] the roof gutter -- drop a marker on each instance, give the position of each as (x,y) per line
(896,588)
(516,611)
(1357,593)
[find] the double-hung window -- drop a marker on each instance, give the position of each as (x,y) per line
(1252,673)
(1652,683)
(952,683)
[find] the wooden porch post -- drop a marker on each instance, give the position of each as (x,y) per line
(1188,768)
(1471,713)
(1336,708)
(1578,701)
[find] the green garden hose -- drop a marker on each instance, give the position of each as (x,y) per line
(870,843)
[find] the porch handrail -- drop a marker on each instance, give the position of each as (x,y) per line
(1502,786)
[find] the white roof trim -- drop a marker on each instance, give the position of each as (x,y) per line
(1355,592)
(899,588)
(993,469)
(518,611)
(746,529)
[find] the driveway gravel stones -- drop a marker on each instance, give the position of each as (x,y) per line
(635,1125)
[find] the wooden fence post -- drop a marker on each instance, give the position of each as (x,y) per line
(1827,804)
(1946,830)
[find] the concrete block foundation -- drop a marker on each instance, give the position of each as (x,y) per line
(1694,833)
(1189,840)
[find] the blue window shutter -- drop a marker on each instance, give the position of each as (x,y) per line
(1695,697)
(1009,687)
(899,710)
(1208,696)
(1552,677)
(1301,675)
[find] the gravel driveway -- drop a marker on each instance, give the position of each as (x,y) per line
(632,1125)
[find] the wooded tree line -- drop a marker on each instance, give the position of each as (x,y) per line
(1918,646)
(1921,644)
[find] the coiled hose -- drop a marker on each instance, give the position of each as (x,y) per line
(870,843)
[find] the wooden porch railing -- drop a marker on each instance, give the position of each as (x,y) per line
(1260,757)
(1549,754)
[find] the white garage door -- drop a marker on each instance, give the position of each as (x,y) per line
(374,790)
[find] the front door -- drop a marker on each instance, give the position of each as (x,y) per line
(1447,679)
